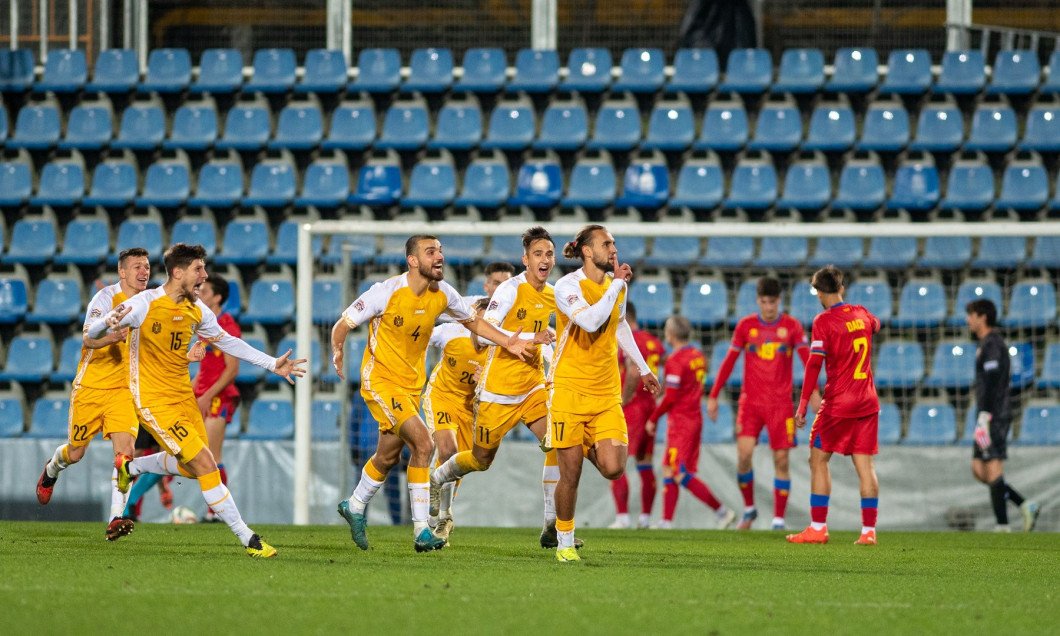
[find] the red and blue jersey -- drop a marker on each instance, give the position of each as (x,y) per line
(768,348)
(653,351)
(683,375)
(213,365)
(842,335)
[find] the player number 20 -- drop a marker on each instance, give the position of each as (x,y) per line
(861,345)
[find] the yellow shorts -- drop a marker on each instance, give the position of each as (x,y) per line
(178,428)
(107,410)
(583,420)
(446,414)
(390,406)
(493,421)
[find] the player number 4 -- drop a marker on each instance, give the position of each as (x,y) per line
(416,334)
(861,345)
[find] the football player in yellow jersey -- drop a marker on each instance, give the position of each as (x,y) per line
(100,399)
(401,312)
(585,389)
(163,322)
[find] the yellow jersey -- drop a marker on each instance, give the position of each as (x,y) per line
(454,375)
(584,359)
(516,304)
(401,324)
(104,368)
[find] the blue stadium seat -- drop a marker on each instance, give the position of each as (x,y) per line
(753,185)
(325,72)
(804,303)
(705,302)
(1042,130)
(872,295)
(1046,252)
(801,71)
(270,419)
(220,185)
(251,373)
(953,365)
(997,252)
(324,185)
(362,248)
(430,71)
(504,248)
(993,129)
(271,302)
(841,251)
(971,290)
(930,424)
(654,300)
(196,231)
(1040,426)
(592,184)
(617,127)
(17,67)
(51,419)
(194,128)
(325,418)
(272,185)
(807,186)
(484,71)
(717,356)
(29,359)
(65,71)
(11,416)
(1049,378)
(890,424)
(463,250)
(32,241)
(273,71)
(646,185)
(642,71)
(58,301)
(290,343)
(300,127)
(377,185)
(940,128)
(632,249)
(166,185)
(142,128)
(970,186)
(886,128)
(1015,73)
(220,72)
(899,365)
(677,251)
(168,71)
(891,252)
(724,127)
(922,303)
(748,71)
(1032,305)
(62,184)
(431,185)
(950,252)
(832,129)
(916,187)
(116,71)
(246,128)
(963,73)
(782,251)
(695,71)
(588,71)
(378,71)
(16,184)
(539,184)
(855,70)
(113,186)
(700,186)
(234,306)
(536,71)
(671,126)
(459,126)
(286,251)
(87,242)
(352,127)
(778,128)
(138,232)
(511,126)
(908,72)
(3,127)
(246,242)
(486,185)
(1051,85)
(36,128)
(14,301)
(723,430)
(1024,186)
(728,251)
(564,126)
(89,128)
(1022,364)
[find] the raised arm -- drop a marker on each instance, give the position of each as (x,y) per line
(130,313)
(570,301)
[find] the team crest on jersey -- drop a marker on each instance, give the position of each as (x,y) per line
(520,314)
(782,332)
(194,327)
(156,327)
(573,298)
(398,321)
(451,360)
(754,332)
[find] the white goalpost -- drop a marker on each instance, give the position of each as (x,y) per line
(563,231)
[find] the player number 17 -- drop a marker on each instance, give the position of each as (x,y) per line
(861,345)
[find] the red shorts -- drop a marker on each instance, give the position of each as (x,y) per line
(777,419)
(846,435)
(225,407)
(682,447)
(637,413)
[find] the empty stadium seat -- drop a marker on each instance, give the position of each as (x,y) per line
(717,356)
(62,184)
(512,125)
(405,126)
(1040,425)
(694,71)
(58,301)
(855,70)
(29,359)
(87,242)
(271,302)
(504,248)
(247,127)
(592,184)
(801,71)
(916,187)
(782,251)
(728,251)
(807,186)
(196,231)
(953,365)
(272,185)
(891,251)
(654,298)
(618,126)
(16,184)
(286,251)
(963,73)
(642,71)
(220,72)
(270,419)
(33,241)
(971,290)
(705,302)
(908,72)
(748,71)
(145,232)
(246,242)
(430,71)
(484,71)
(14,301)
(168,71)
(113,186)
(646,185)
(931,423)
(588,71)
(753,185)
(886,127)
(1049,378)
(1021,363)
(116,71)
(539,184)
(632,248)
(832,129)
(166,185)
(678,251)
(486,185)
(352,127)
(940,128)
(142,128)
(459,126)
(671,125)
(324,185)
(997,252)
(36,128)
(1042,130)
(723,430)
(12,416)
(463,250)
(220,185)
(841,251)
(1046,252)
(724,127)
(89,128)
(51,418)
(804,305)
(1051,85)
(921,303)
(324,72)
(194,128)
(431,185)
(1015,73)
(377,185)
(700,186)
(873,295)
(946,251)
(300,127)
(250,373)
(861,186)
(1024,186)
(970,186)
(18,69)
(378,71)
(1032,304)
(564,126)
(993,129)
(65,71)
(273,71)
(326,420)
(889,429)
(778,128)
(536,71)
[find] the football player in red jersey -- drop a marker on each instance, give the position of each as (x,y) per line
(637,404)
(769,339)
(848,420)
(684,373)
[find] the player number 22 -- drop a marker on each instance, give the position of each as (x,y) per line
(861,345)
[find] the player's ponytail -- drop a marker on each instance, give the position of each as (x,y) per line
(573,249)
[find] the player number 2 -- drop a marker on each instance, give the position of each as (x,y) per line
(861,345)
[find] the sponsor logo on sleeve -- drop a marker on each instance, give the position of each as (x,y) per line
(493,305)
(817,344)
(95,313)
(573,298)
(359,305)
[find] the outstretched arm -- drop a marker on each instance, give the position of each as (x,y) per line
(569,300)
(513,343)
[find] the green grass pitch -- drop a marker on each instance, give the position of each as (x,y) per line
(63,578)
